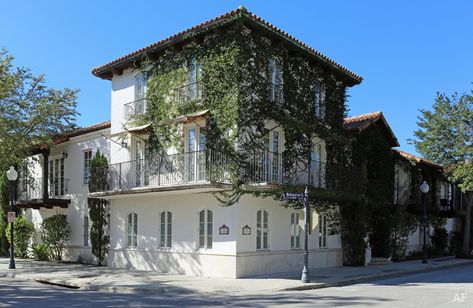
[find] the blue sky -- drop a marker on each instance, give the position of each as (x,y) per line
(405,50)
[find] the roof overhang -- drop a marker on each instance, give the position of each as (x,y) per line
(107,70)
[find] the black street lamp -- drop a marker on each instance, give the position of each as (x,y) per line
(12,175)
(424,189)
(305,270)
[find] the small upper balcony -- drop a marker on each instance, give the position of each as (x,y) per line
(189,92)
(134,109)
(31,193)
(205,170)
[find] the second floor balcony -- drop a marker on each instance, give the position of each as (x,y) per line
(203,169)
(33,188)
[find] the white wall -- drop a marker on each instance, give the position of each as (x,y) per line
(232,255)
(77,193)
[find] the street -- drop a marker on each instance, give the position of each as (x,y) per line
(443,288)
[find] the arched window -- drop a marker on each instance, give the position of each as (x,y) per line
(132,229)
(262,231)
(165,229)
(205,229)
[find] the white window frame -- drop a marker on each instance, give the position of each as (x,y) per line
(87,156)
(262,230)
(205,229)
(319,100)
(165,229)
(132,230)
(295,231)
(322,230)
(275,71)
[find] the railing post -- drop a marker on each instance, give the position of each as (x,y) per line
(159,171)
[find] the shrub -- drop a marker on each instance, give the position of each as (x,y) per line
(56,232)
(440,240)
(41,252)
(23,231)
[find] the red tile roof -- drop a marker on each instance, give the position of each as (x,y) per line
(82,131)
(418,159)
(240,12)
(361,122)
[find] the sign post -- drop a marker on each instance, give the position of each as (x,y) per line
(304,197)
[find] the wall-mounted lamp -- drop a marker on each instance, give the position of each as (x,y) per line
(64,154)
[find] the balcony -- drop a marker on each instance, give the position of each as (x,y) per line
(189,92)
(30,193)
(134,109)
(203,170)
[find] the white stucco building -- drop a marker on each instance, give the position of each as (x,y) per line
(163,213)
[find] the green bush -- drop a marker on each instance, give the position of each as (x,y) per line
(440,240)
(41,252)
(23,231)
(56,232)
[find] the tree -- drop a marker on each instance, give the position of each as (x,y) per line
(56,232)
(98,208)
(30,112)
(445,136)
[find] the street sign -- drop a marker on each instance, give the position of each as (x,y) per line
(11,216)
(293,195)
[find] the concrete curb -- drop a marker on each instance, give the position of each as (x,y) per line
(377,276)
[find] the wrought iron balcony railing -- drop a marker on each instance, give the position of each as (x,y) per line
(189,92)
(32,188)
(134,108)
(204,167)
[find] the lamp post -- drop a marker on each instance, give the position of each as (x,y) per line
(305,270)
(12,175)
(424,189)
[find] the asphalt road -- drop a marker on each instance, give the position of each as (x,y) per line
(444,288)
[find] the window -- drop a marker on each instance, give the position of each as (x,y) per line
(132,230)
(87,158)
(319,101)
(315,179)
(271,161)
(275,74)
(195,72)
(262,230)
(295,231)
(138,106)
(322,231)
(86,230)
(141,163)
(205,229)
(195,154)
(56,178)
(165,230)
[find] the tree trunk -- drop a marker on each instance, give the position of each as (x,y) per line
(466,231)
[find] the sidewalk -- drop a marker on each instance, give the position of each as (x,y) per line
(87,277)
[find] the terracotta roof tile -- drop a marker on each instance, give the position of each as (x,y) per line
(361,122)
(418,159)
(97,71)
(82,131)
